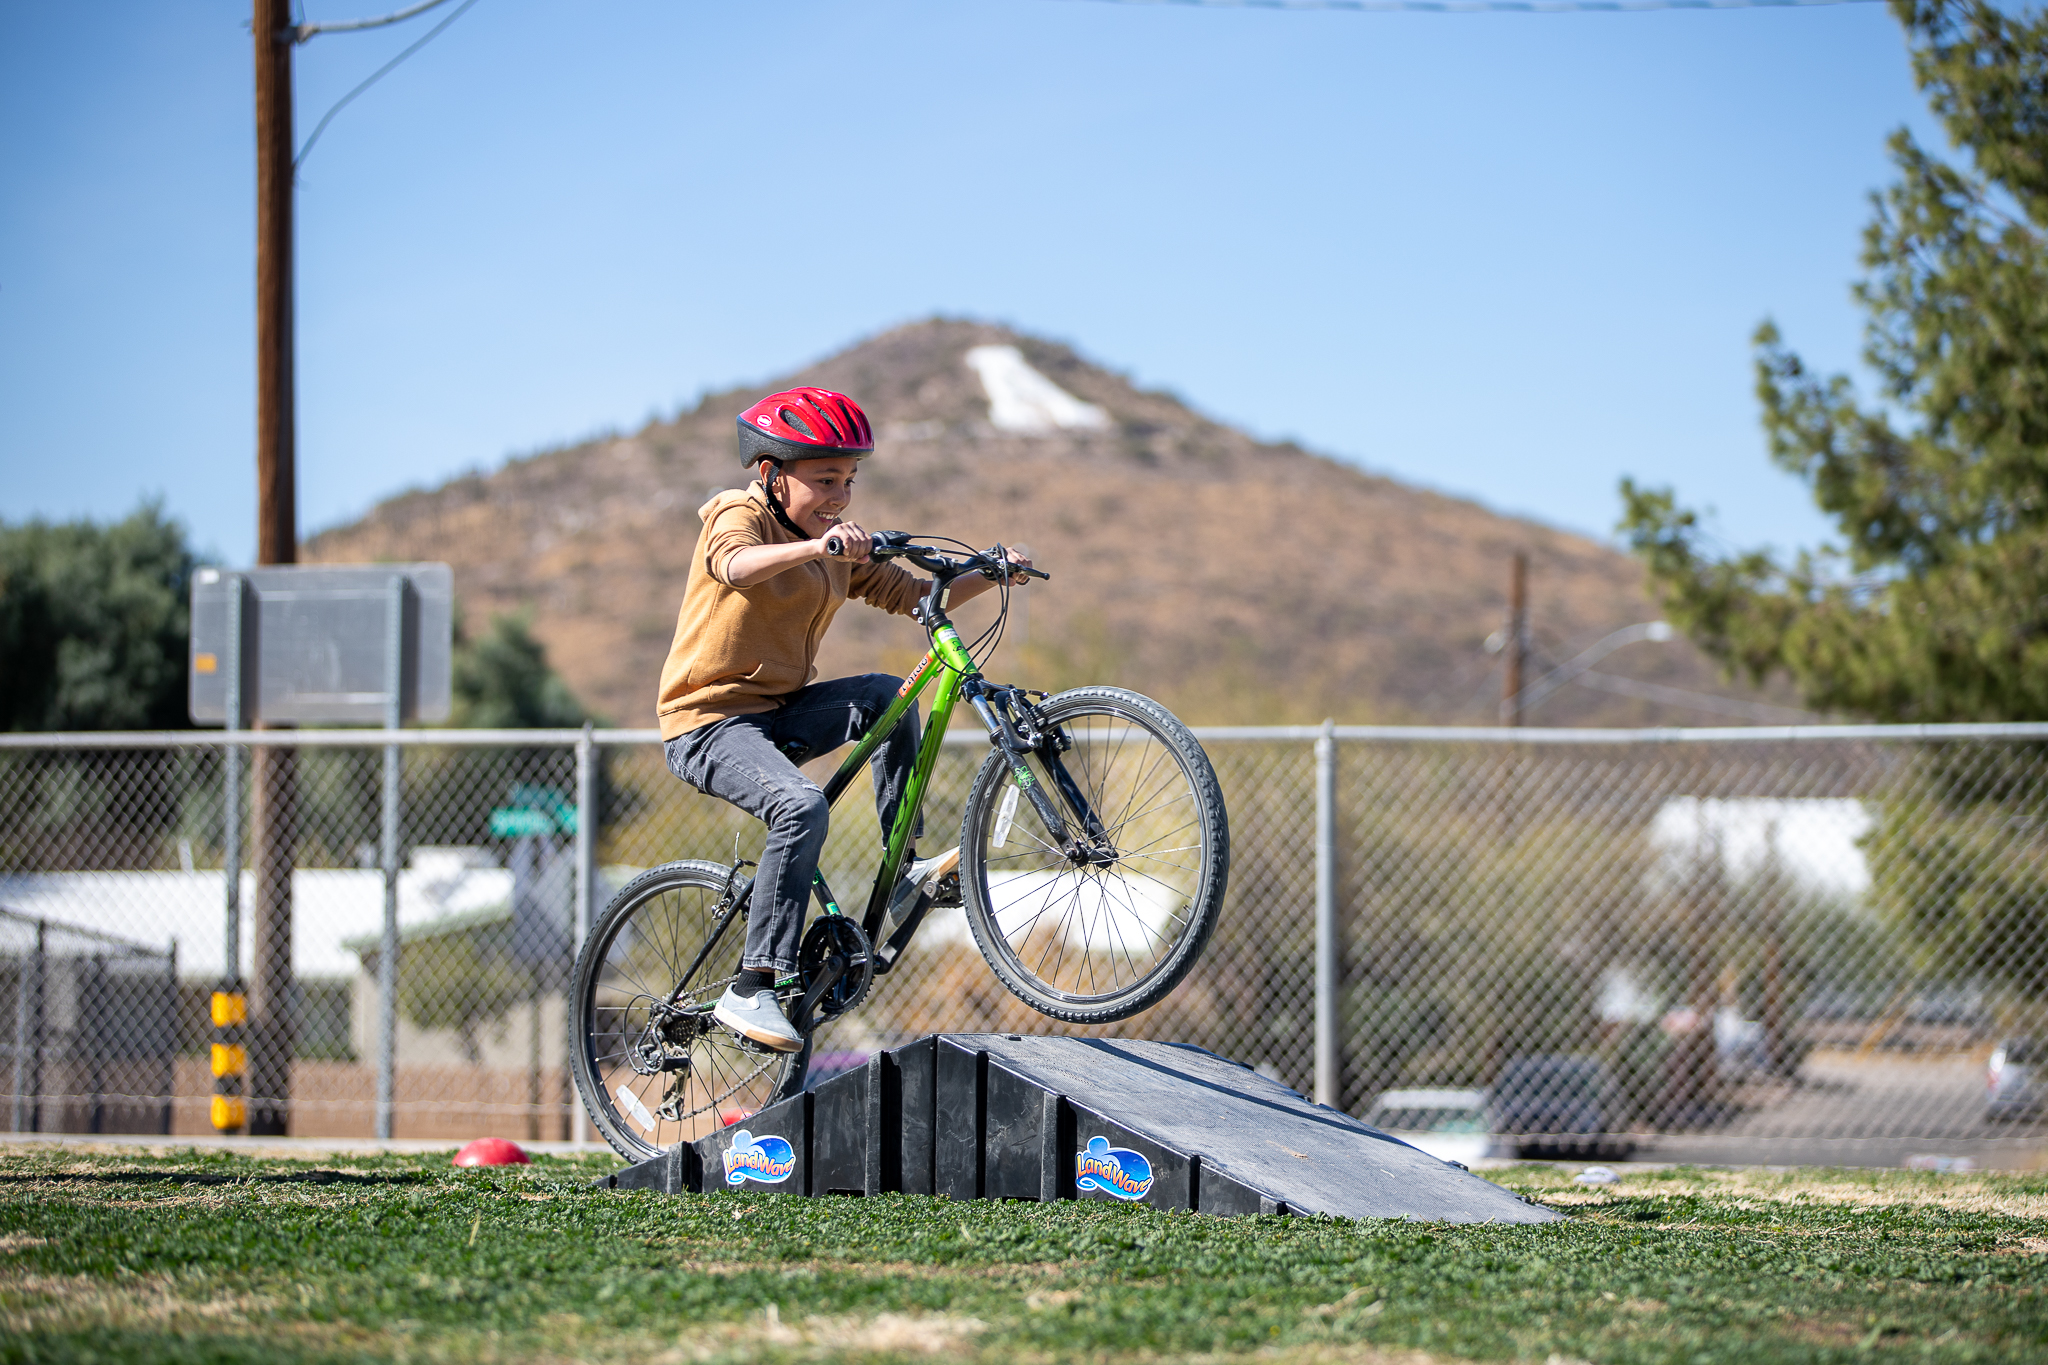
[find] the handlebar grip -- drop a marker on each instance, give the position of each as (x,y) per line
(834,545)
(994,574)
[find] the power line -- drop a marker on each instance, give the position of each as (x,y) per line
(381,71)
(1699,701)
(302,32)
(1488,6)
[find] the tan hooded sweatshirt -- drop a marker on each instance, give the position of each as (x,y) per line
(740,651)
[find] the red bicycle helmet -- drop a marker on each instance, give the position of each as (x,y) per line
(804,424)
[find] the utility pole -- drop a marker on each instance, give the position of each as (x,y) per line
(1516,647)
(273,803)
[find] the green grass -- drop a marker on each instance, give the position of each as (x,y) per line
(214,1257)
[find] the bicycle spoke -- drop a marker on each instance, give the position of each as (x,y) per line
(1124,823)
(1116,933)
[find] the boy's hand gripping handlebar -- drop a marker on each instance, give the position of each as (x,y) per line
(990,563)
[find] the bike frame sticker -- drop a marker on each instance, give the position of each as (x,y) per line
(910,679)
(946,643)
(1117,1171)
(767,1159)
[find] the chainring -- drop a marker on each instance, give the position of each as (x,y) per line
(836,935)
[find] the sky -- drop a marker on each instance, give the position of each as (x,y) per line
(1514,257)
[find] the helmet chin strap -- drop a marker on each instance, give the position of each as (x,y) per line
(775,505)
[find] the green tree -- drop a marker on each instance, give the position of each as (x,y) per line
(1937,609)
(93,624)
(503,682)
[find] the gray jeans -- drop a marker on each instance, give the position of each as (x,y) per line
(751,762)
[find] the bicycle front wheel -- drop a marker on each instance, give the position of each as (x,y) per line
(650,1066)
(1101,937)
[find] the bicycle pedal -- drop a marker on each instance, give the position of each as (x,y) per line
(946,895)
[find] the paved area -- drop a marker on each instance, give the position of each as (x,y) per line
(1715,1149)
(1901,1106)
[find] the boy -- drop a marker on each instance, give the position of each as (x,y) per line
(738,709)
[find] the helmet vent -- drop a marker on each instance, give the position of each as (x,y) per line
(796,420)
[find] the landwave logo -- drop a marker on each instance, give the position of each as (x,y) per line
(768,1159)
(1116,1171)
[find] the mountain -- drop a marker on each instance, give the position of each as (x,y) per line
(1236,580)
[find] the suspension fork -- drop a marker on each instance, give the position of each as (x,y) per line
(1070,791)
(995,707)
(1052,742)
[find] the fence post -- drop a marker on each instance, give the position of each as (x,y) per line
(231,791)
(20,1081)
(1328,1070)
(28,1037)
(586,889)
(387,943)
(28,1099)
(229,1006)
(170,1042)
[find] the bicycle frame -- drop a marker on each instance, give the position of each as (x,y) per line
(949,661)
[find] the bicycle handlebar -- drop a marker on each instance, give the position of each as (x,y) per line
(933,560)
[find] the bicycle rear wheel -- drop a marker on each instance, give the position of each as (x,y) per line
(1101,938)
(650,1066)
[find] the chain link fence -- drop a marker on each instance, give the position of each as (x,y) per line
(1727,945)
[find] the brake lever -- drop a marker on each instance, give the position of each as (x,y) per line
(992,568)
(888,544)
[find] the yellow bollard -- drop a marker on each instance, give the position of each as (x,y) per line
(230,1010)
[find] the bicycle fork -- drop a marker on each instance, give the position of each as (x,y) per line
(1018,728)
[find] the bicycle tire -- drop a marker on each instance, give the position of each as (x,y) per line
(635,953)
(1060,935)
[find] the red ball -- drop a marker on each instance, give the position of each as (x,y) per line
(491,1152)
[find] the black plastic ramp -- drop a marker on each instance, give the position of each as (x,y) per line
(1007,1116)
(1242,1132)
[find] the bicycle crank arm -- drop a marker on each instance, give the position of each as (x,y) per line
(833,968)
(889,951)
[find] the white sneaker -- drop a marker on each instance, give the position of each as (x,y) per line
(759,1018)
(922,875)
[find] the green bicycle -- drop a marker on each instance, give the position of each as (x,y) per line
(1094,854)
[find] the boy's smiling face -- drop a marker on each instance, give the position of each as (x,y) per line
(816,493)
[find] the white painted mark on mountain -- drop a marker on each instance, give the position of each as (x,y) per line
(1022,400)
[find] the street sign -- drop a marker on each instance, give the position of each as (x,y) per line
(317,642)
(533,810)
